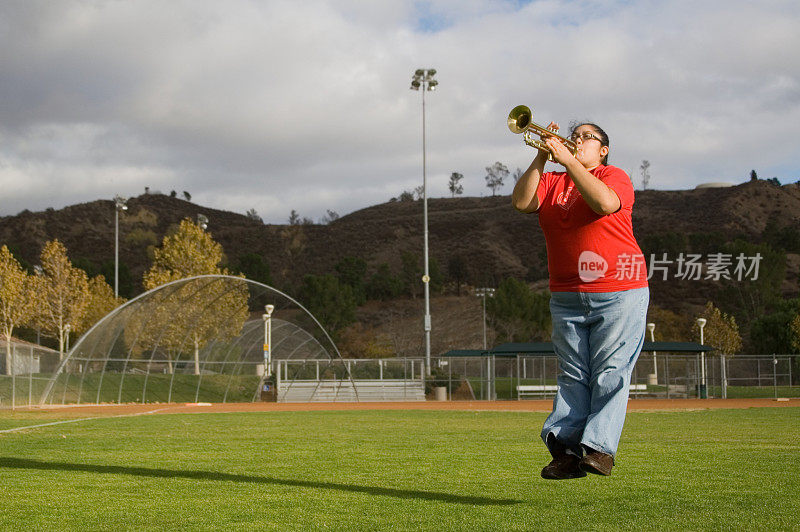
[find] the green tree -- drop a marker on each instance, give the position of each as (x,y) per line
(794,334)
(794,331)
(16,304)
(61,294)
(412,272)
(720,331)
(252,266)
(458,271)
(670,327)
(125,282)
(352,271)
(772,332)
(330,301)
(86,265)
(383,285)
(199,311)
(101,302)
(518,313)
(436,275)
(752,296)
(785,238)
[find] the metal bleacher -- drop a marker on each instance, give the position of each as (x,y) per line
(345,390)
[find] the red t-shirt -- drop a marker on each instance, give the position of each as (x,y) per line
(588,252)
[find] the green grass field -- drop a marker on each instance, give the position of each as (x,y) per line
(396,470)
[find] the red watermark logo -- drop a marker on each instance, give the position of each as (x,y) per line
(591,266)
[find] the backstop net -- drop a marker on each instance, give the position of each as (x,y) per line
(201,339)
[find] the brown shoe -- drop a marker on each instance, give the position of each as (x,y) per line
(597,463)
(562,467)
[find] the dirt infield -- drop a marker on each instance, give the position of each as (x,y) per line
(635,405)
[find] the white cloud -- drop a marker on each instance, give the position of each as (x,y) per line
(306,106)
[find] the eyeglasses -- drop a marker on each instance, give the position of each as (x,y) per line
(583,137)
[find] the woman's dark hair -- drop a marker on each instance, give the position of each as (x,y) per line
(597,129)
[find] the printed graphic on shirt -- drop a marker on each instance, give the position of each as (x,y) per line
(591,266)
(566,199)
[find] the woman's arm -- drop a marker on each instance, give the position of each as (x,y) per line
(524,197)
(597,195)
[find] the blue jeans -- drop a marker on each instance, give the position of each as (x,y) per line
(597,337)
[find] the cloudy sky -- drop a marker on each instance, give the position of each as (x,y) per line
(281,105)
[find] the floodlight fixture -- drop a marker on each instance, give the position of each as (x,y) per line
(120,203)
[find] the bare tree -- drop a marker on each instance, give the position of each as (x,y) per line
(495,176)
(419,192)
(253,215)
(453,184)
(644,168)
(330,216)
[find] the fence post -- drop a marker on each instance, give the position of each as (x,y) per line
(775,375)
(724,376)
(449,380)
(30,379)
(758,365)
(13,360)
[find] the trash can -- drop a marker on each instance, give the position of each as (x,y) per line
(440,393)
(269,393)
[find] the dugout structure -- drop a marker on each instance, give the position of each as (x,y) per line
(200,339)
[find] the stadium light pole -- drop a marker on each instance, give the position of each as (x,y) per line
(267,317)
(120,204)
(484,293)
(652,327)
(423,79)
(701,322)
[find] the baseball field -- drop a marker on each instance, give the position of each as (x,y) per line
(468,467)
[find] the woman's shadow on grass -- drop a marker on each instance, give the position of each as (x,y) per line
(26,463)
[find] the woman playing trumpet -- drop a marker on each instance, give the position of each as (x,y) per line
(599,296)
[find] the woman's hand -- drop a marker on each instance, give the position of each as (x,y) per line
(561,153)
(553,126)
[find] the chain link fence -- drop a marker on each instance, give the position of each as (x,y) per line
(664,376)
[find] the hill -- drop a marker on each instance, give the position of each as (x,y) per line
(493,239)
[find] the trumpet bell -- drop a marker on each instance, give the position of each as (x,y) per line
(519,118)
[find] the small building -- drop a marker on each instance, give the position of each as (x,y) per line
(27,357)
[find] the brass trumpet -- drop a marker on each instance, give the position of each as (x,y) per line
(520,120)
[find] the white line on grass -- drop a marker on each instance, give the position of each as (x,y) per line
(17,429)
